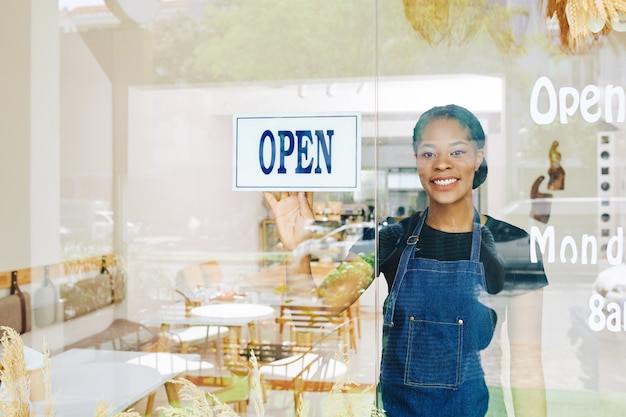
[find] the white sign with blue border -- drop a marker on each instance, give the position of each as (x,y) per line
(297,152)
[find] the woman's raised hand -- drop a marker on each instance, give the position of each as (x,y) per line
(293,216)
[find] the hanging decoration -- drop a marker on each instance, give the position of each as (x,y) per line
(455,22)
(578,24)
(582,23)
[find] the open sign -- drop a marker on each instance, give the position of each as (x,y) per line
(319,152)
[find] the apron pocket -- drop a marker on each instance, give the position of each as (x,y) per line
(434,354)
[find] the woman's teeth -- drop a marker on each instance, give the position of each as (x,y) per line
(445,182)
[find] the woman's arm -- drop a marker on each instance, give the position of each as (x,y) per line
(494,266)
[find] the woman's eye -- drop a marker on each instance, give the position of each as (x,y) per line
(458,152)
(428,155)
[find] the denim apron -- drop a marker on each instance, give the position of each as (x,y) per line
(434,328)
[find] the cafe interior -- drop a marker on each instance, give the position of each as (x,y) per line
(139,280)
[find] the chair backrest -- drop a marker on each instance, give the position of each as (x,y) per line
(231,389)
(201,275)
(310,316)
(317,368)
(238,388)
(308,323)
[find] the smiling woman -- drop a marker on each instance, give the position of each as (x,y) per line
(439,265)
(448,150)
(438,273)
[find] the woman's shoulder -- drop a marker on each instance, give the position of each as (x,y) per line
(503,231)
(392,236)
(513,246)
(389,233)
(402,227)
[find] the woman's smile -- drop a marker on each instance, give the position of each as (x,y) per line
(444,182)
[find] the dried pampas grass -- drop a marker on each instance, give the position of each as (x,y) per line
(577,15)
(199,405)
(458,21)
(360,402)
(16,379)
(455,21)
(614,7)
(47,383)
(256,390)
(497,22)
(303,406)
(205,404)
(583,23)
(15,395)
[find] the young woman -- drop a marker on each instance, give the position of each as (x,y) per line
(439,265)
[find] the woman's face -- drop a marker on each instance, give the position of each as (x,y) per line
(446,161)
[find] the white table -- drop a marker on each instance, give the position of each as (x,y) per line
(234,316)
(83,378)
(219,314)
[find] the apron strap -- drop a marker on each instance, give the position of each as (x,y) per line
(411,241)
(476,235)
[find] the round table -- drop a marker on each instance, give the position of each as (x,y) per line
(233,314)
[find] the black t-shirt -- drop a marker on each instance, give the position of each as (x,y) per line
(511,243)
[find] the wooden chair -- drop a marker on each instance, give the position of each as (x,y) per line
(300,368)
(202,275)
(193,339)
(188,279)
(307,321)
(123,335)
(232,389)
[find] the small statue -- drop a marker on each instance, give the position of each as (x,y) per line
(556,173)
